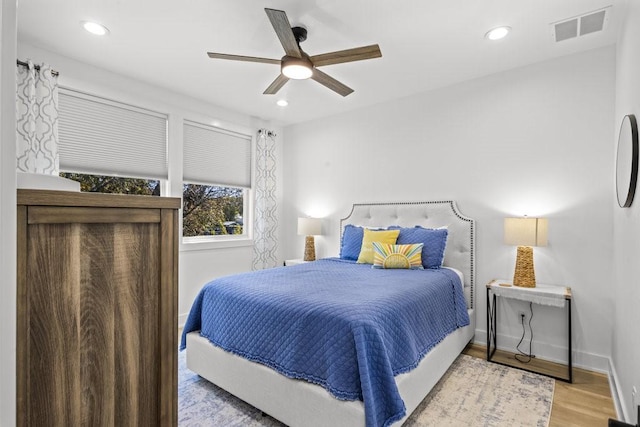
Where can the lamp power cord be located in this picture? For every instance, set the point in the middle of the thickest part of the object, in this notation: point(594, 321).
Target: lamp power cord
point(521, 356)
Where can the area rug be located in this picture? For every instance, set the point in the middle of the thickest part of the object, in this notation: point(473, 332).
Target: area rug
point(473, 392)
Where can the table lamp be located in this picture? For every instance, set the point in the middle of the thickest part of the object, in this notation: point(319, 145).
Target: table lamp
point(309, 227)
point(525, 232)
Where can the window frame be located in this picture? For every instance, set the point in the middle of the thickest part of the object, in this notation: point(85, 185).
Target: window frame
point(172, 185)
point(203, 243)
point(218, 241)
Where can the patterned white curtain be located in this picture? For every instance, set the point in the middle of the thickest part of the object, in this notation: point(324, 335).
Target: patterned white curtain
point(266, 220)
point(37, 120)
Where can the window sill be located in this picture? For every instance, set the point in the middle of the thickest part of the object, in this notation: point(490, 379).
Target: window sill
point(203, 244)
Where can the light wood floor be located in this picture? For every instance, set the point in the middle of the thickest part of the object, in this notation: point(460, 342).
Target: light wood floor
point(586, 402)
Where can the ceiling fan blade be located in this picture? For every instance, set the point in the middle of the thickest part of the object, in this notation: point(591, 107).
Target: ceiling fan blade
point(282, 27)
point(243, 58)
point(276, 85)
point(331, 83)
point(348, 55)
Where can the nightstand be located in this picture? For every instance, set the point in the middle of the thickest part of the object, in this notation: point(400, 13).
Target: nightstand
point(551, 295)
point(290, 262)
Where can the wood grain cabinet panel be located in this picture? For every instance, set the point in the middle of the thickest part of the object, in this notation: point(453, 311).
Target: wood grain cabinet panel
point(97, 309)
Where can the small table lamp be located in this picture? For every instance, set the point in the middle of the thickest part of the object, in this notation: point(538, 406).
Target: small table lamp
point(525, 233)
point(309, 227)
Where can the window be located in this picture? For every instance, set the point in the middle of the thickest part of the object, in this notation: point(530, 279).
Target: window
point(212, 211)
point(114, 184)
point(113, 147)
point(216, 182)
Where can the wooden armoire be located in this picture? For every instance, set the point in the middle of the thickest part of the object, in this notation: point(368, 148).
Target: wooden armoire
point(97, 309)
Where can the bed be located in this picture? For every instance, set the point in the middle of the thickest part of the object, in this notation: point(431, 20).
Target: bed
point(297, 402)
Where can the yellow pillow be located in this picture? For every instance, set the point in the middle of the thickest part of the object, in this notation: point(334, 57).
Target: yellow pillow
point(370, 236)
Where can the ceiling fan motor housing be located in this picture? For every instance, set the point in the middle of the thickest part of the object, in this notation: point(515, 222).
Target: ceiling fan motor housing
point(300, 33)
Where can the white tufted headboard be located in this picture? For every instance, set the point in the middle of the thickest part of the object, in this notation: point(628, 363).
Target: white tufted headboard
point(459, 253)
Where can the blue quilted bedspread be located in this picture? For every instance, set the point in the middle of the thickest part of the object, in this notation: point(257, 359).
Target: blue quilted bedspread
point(342, 325)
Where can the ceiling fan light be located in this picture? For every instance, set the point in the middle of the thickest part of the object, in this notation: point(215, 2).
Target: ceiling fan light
point(296, 68)
point(297, 72)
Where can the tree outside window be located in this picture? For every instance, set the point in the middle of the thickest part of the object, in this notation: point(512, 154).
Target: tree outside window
point(212, 210)
point(114, 184)
point(207, 210)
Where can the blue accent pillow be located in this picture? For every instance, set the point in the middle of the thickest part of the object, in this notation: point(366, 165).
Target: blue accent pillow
point(351, 242)
point(434, 240)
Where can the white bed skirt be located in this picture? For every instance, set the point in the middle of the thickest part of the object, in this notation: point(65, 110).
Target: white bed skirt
point(299, 403)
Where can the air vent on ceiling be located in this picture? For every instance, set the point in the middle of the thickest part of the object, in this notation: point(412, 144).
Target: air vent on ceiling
point(588, 23)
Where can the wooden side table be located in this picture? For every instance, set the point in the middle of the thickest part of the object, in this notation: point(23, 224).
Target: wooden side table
point(551, 295)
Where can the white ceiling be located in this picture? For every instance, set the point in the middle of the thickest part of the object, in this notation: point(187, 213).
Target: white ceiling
point(425, 44)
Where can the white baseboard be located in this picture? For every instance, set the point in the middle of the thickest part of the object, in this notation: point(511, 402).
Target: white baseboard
point(550, 352)
point(616, 394)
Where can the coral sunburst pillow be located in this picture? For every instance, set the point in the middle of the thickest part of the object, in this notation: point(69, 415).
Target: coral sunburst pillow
point(386, 255)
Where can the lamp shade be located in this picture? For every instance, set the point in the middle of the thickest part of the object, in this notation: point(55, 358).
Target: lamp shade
point(309, 226)
point(525, 231)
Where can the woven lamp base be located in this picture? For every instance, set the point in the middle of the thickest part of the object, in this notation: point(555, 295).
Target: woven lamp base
point(524, 276)
point(309, 249)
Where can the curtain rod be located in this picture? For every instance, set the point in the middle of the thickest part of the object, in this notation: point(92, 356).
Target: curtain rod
point(267, 132)
point(37, 67)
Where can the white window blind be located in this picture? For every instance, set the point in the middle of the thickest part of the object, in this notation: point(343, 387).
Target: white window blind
point(216, 156)
point(103, 137)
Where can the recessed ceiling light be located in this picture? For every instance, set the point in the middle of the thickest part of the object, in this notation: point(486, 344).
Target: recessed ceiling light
point(95, 28)
point(497, 33)
point(282, 102)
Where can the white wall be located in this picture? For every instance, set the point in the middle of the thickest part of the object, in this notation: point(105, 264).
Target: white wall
point(626, 225)
point(7, 213)
point(533, 140)
point(201, 263)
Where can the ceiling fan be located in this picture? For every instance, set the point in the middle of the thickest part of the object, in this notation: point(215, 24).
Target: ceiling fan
point(296, 64)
